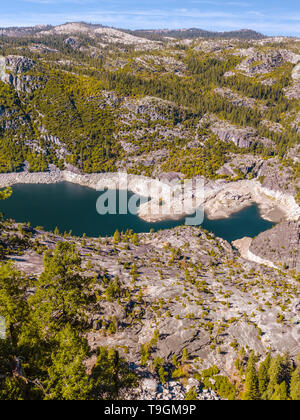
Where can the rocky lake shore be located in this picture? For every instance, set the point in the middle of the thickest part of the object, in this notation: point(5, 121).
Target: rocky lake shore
point(220, 198)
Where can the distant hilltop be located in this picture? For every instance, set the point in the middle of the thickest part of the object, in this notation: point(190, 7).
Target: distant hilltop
point(152, 34)
point(198, 33)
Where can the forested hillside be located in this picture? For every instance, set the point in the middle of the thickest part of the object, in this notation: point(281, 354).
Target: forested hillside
point(104, 100)
point(197, 33)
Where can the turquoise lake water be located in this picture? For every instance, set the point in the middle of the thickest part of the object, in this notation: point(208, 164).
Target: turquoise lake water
point(73, 207)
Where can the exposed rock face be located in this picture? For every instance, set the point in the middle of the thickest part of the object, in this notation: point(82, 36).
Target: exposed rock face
point(23, 31)
point(273, 126)
point(258, 62)
point(42, 49)
point(294, 153)
point(274, 176)
point(293, 92)
point(222, 200)
point(107, 35)
point(128, 147)
point(13, 74)
point(238, 100)
point(244, 164)
point(296, 72)
point(69, 28)
point(280, 245)
point(114, 36)
point(296, 123)
point(171, 303)
point(215, 46)
point(147, 106)
point(156, 64)
point(241, 137)
point(290, 56)
point(170, 177)
point(18, 64)
point(73, 43)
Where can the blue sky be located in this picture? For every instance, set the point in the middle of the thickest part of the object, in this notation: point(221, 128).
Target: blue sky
point(272, 17)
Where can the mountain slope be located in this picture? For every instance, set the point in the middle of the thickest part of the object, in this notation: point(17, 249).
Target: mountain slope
point(100, 99)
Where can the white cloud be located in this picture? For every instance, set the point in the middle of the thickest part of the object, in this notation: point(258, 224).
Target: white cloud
point(83, 2)
point(222, 3)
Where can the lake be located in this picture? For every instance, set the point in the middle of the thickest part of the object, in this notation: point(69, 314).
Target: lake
point(73, 207)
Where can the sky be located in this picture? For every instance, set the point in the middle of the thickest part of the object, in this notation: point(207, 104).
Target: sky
point(271, 17)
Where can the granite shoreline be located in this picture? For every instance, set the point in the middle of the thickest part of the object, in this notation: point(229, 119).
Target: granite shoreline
point(220, 199)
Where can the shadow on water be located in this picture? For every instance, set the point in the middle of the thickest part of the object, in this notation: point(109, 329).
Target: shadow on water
point(73, 207)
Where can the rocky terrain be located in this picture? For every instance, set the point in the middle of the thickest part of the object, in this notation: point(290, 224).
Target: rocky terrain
point(241, 137)
point(279, 245)
point(151, 389)
point(181, 293)
point(149, 127)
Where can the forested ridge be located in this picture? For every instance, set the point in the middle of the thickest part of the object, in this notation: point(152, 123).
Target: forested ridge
point(71, 105)
point(196, 33)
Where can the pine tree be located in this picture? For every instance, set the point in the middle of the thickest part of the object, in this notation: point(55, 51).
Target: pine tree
point(295, 385)
point(174, 360)
point(185, 356)
point(117, 237)
point(5, 193)
point(13, 303)
point(280, 392)
point(13, 389)
point(60, 289)
point(191, 395)
point(279, 372)
point(162, 375)
point(111, 375)
point(263, 375)
point(67, 378)
point(135, 239)
point(251, 380)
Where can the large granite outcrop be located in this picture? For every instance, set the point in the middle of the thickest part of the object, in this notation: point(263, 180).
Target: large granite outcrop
point(73, 43)
point(18, 64)
point(276, 176)
point(260, 63)
point(243, 137)
point(280, 245)
point(13, 72)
